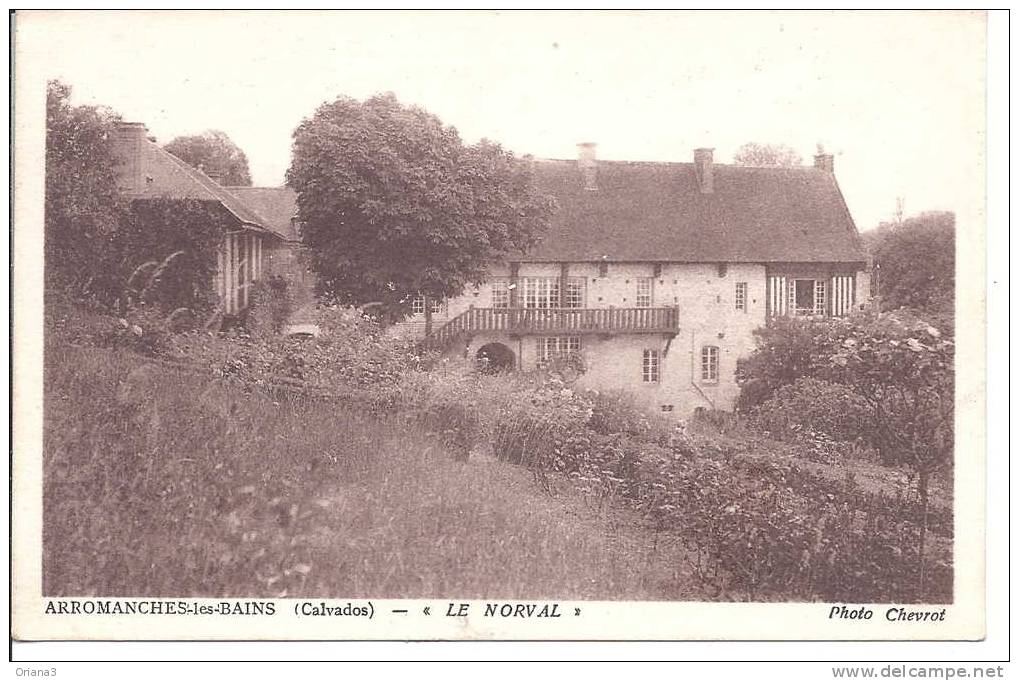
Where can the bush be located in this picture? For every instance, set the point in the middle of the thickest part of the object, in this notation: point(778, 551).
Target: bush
point(812, 406)
point(272, 303)
point(766, 530)
point(145, 329)
point(786, 350)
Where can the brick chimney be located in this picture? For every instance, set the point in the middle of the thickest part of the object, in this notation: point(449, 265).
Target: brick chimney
point(587, 161)
point(127, 148)
point(823, 161)
point(703, 160)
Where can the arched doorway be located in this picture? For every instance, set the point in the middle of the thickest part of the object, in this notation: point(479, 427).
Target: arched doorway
point(495, 357)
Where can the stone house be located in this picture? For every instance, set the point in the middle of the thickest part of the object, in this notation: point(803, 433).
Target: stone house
point(657, 274)
point(255, 245)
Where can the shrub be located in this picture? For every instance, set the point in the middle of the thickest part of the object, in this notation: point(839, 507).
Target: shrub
point(765, 530)
point(811, 405)
point(272, 304)
point(144, 329)
point(786, 350)
point(546, 429)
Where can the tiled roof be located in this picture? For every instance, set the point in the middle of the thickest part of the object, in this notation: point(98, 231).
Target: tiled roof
point(166, 176)
point(278, 205)
point(656, 212)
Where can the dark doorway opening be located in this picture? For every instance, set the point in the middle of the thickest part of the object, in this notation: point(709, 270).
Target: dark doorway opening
point(496, 357)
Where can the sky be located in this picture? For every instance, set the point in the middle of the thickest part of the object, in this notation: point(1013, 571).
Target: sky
point(897, 97)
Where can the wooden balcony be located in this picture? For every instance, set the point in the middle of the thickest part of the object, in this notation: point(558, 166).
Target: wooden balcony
point(561, 321)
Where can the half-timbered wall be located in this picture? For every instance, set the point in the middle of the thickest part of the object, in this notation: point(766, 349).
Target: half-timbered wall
point(811, 291)
point(240, 263)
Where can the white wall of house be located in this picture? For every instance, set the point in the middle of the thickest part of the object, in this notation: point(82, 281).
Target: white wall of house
point(708, 316)
point(240, 261)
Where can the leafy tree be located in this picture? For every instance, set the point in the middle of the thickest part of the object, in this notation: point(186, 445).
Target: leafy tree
point(905, 373)
point(766, 155)
point(216, 154)
point(83, 208)
point(915, 261)
point(394, 204)
point(899, 368)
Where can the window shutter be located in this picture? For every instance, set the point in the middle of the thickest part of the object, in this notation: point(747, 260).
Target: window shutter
point(843, 295)
point(777, 296)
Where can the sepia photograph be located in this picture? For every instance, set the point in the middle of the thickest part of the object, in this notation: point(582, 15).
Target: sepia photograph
point(499, 315)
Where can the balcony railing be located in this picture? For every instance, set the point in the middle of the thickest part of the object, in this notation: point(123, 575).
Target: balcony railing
point(561, 321)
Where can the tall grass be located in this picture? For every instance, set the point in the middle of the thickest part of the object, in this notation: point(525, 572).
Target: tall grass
point(159, 482)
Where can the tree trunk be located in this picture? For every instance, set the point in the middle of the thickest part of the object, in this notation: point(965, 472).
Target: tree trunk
point(922, 485)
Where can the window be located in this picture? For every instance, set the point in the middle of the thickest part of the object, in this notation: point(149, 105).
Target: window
point(808, 296)
point(644, 291)
point(650, 367)
point(500, 293)
point(709, 363)
point(820, 296)
point(575, 289)
point(541, 293)
point(551, 347)
point(417, 305)
point(741, 296)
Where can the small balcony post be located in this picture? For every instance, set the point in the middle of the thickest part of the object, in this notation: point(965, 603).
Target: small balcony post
point(564, 277)
point(514, 287)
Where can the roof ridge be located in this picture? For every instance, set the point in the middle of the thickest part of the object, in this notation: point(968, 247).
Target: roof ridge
point(680, 163)
point(213, 189)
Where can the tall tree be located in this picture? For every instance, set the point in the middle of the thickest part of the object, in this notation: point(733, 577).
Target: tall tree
point(394, 204)
point(915, 262)
point(215, 153)
point(766, 155)
point(83, 207)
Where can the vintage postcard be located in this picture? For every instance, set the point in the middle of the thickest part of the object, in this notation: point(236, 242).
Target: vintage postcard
point(421, 325)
